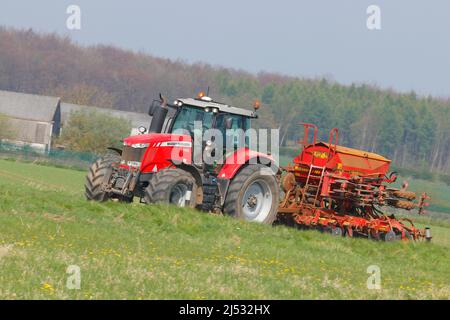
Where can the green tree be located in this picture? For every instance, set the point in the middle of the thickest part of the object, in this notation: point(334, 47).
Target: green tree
point(91, 131)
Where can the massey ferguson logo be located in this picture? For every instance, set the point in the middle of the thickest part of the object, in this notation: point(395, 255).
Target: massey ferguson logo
point(176, 144)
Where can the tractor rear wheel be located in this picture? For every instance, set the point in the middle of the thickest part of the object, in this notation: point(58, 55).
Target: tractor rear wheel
point(99, 173)
point(253, 195)
point(173, 186)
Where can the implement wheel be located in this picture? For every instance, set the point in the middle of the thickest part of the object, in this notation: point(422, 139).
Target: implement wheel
point(389, 236)
point(408, 236)
point(337, 232)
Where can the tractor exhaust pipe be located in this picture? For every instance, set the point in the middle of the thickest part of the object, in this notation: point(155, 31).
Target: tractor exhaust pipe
point(158, 118)
point(158, 112)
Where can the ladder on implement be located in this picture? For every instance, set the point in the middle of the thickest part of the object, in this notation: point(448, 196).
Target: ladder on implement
point(312, 173)
point(334, 136)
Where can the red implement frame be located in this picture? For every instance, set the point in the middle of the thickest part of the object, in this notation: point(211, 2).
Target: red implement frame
point(320, 194)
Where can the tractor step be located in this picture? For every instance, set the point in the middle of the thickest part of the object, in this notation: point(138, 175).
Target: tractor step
point(210, 191)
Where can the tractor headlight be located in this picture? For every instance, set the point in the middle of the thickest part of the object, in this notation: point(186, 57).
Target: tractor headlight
point(142, 129)
point(140, 145)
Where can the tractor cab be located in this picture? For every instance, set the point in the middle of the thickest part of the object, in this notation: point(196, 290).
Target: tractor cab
point(202, 117)
point(214, 130)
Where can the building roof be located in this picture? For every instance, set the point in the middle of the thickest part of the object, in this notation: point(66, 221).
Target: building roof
point(28, 106)
point(136, 119)
point(222, 107)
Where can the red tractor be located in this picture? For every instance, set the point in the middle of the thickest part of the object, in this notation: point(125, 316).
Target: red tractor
point(343, 191)
point(162, 165)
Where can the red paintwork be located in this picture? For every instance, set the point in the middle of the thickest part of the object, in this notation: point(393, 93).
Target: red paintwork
point(341, 163)
point(160, 156)
point(331, 186)
point(155, 137)
point(242, 156)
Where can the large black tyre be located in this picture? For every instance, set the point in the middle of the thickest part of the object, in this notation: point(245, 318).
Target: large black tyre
point(253, 195)
point(173, 186)
point(99, 173)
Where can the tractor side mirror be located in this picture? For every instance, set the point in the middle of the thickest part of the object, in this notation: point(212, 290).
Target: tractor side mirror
point(151, 109)
point(229, 123)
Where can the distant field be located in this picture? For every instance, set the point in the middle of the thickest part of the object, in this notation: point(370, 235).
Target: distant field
point(439, 192)
point(161, 252)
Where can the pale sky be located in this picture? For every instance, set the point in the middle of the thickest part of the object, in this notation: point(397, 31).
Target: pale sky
point(312, 38)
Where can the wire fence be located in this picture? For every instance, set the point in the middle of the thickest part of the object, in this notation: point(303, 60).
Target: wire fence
point(58, 158)
point(82, 160)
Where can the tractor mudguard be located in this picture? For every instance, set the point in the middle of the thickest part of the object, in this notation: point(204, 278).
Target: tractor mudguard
point(241, 158)
point(116, 150)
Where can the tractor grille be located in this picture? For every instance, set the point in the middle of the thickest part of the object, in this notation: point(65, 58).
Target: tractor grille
point(132, 156)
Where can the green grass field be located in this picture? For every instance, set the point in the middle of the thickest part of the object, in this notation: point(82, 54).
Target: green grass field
point(160, 252)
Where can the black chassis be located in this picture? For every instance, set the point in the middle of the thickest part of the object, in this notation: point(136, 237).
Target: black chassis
point(129, 183)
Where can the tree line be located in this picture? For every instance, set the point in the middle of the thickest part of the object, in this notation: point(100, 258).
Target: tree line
point(412, 130)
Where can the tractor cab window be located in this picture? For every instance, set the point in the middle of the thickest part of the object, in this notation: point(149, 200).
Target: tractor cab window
point(234, 136)
point(184, 122)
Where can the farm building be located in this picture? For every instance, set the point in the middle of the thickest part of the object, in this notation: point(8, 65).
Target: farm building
point(136, 119)
point(36, 119)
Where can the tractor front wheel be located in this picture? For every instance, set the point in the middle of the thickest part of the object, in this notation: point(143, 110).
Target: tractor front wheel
point(99, 173)
point(253, 195)
point(173, 186)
